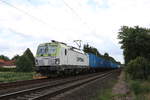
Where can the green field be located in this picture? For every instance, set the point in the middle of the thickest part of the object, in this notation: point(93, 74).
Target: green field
point(9, 75)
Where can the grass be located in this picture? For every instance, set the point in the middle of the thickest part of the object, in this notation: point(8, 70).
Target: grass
point(7, 69)
point(106, 95)
point(9, 75)
point(140, 88)
point(106, 92)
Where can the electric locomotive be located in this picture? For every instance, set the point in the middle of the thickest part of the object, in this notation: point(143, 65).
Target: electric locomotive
point(57, 57)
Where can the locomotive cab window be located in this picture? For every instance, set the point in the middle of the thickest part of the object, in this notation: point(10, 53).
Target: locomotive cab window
point(52, 49)
point(65, 51)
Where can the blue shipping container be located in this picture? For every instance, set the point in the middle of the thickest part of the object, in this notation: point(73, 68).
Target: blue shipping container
point(95, 62)
point(98, 62)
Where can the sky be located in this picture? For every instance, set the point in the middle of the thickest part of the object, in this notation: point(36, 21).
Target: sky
point(27, 23)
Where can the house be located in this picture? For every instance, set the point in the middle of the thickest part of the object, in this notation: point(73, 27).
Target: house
point(7, 64)
point(2, 62)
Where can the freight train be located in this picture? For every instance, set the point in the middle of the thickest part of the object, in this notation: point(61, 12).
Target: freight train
point(59, 58)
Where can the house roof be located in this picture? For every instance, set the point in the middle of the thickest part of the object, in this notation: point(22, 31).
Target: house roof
point(2, 61)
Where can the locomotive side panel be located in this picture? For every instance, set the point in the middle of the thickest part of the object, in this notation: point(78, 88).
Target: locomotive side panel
point(77, 58)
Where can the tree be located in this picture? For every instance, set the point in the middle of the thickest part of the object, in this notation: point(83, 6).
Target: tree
point(4, 57)
point(15, 57)
point(106, 54)
point(107, 57)
point(29, 55)
point(135, 41)
point(24, 64)
point(90, 49)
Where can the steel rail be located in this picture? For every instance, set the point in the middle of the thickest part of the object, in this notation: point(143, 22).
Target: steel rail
point(52, 89)
point(68, 87)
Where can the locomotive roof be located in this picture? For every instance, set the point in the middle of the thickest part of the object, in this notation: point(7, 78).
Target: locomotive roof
point(63, 45)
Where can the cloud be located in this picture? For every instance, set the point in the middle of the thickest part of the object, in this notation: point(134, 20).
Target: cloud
point(96, 22)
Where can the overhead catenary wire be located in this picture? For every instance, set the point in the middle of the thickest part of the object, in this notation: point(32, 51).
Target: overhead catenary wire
point(74, 11)
point(84, 22)
point(26, 13)
point(42, 21)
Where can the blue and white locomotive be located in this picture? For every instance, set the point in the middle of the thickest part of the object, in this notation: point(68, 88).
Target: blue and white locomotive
point(57, 57)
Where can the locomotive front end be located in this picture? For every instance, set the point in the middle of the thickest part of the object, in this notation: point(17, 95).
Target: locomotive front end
point(47, 58)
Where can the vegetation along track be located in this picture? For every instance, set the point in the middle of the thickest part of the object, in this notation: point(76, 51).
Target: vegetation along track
point(51, 90)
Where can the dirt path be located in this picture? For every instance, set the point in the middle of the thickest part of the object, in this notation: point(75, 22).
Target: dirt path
point(121, 89)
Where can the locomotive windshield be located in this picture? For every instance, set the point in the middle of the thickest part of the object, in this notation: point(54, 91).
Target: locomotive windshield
point(46, 50)
point(41, 50)
point(51, 49)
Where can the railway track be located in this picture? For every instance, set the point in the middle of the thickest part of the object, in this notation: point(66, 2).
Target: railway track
point(6, 87)
point(54, 88)
point(21, 83)
point(18, 84)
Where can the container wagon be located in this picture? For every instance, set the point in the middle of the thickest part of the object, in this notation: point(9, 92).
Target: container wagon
point(96, 62)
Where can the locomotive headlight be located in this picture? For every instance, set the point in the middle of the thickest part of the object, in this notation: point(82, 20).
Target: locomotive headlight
point(57, 61)
point(36, 61)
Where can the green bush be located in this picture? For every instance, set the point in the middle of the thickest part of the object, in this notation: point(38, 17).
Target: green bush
point(138, 68)
point(140, 87)
point(24, 64)
point(135, 86)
